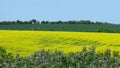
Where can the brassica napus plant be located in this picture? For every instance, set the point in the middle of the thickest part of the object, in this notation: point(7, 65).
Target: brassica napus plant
point(26, 42)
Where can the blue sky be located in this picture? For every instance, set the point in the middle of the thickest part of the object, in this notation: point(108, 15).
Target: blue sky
point(54, 10)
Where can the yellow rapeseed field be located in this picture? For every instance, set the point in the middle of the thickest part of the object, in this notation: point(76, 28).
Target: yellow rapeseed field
point(26, 42)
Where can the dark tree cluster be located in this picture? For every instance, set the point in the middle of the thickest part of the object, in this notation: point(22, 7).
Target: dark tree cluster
point(74, 22)
point(34, 21)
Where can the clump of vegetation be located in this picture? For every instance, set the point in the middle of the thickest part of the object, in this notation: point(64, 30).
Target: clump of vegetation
point(47, 59)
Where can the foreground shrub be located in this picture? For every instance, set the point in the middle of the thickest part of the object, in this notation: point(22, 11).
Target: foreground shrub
point(46, 59)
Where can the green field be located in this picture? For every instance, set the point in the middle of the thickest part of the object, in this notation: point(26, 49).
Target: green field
point(26, 42)
point(64, 27)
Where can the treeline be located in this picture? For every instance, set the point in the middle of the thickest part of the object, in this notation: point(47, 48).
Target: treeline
point(34, 21)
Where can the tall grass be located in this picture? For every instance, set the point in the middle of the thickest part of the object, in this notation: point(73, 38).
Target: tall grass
point(47, 59)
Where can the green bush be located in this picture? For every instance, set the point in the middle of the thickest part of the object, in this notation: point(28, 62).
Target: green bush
point(47, 59)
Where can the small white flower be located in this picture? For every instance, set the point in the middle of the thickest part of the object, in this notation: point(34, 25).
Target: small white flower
point(101, 61)
point(0, 65)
